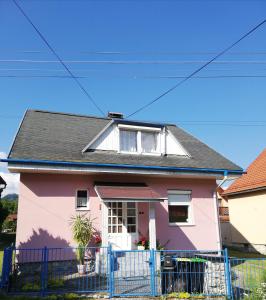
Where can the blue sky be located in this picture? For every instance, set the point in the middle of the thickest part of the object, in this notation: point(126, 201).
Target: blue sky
point(180, 35)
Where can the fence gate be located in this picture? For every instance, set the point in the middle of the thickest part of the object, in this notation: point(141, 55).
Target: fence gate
point(132, 273)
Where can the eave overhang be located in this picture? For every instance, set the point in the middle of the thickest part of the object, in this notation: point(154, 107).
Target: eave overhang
point(23, 165)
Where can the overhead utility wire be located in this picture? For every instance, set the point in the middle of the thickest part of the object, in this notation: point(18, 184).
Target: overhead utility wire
point(132, 62)
point(138, 52)
point(58, 57)
point(133, 76)
point(194, 123)
point(196, 71)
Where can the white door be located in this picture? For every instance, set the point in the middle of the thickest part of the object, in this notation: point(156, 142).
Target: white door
point(122, 231)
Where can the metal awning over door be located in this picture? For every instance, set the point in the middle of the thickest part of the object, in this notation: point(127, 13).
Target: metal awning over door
point(128, 193)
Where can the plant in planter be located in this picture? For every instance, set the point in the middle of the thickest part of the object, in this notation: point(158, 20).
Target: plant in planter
point(98, 240)
point(142, 244)
point(82, 229)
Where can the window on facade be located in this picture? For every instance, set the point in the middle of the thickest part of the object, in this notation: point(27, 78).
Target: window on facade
point(149, 142)
point(82, 199)
point(128, 140)
point(179, 207)
point(138, 141)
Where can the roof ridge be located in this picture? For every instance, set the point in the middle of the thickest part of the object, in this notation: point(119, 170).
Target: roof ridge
point(67, 114)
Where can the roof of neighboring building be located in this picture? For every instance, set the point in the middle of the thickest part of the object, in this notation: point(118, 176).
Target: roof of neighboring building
point(61, 137)
point(254, 179)
point(12, 217)
point(2, 180)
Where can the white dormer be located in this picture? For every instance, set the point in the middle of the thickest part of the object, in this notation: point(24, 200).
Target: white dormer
point(139, 140)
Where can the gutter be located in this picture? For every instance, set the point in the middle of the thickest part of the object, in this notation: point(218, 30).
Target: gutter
point(121, 166)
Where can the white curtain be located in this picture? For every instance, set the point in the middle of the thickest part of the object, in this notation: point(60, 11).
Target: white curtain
point(128, 140)
point(149, 142)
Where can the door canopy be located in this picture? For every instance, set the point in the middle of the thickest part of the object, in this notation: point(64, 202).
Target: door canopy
point(128, 193)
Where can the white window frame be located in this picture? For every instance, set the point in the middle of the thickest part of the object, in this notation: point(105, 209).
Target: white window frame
point(188, 203)
point(139, 130)
point(76, 200)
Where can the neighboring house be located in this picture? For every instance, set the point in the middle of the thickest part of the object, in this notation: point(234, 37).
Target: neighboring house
point(135, 179)
point(2, 185)
point(247, 207)
point(224, 216)
point(12, 217)
point(223, 205)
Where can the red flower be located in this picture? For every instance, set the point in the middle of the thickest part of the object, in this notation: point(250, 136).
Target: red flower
point(98, 239)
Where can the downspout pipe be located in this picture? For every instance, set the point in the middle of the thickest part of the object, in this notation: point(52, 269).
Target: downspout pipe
point(217, 217)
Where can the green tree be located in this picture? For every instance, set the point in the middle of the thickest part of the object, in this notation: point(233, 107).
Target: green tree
point(3, 214)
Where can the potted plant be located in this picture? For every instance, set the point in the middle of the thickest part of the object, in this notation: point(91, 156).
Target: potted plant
point(142, 244)
point(98, 242)
point(82, 229)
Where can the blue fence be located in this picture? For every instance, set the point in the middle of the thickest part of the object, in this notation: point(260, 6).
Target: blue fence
point(130, 272)
point(248, 278)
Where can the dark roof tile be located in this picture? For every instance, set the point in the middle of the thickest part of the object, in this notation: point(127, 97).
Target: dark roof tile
point(62, 137)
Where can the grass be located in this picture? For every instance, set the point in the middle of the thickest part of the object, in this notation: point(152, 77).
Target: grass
point(6, 239)
point(249, 273)
point(241, 254)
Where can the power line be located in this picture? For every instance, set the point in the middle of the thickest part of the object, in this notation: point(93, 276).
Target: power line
point(133, 76)
point(197, 70)
point(230, 123)
point(132, 62)
point(116, 53)
point(58, 57)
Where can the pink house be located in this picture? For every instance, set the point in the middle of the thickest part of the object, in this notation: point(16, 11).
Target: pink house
point(135, 179)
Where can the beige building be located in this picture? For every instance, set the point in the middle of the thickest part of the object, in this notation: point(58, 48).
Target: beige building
point(247, 208)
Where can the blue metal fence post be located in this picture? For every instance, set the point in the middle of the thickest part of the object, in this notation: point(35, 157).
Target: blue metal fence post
point(3, 277)
point(110, 268)
point(228, 275)
point(6, 267)
point(153, 273)
point(44, 271)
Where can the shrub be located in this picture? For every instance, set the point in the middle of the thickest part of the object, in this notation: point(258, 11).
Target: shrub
point(55, 283)
point(31, 287)
point(71, 296)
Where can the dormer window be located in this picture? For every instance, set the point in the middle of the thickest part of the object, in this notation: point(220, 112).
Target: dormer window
point(139, 140)
point(136, 138)
point(128, 140)
point(149, 142)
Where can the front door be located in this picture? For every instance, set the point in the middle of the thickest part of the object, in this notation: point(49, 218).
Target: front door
point(122, 231)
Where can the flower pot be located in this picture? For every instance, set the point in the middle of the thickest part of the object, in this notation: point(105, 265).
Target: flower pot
point(141, 247)
point(81, 269)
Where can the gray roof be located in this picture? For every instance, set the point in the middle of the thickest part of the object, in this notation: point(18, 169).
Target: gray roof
point(54, 136)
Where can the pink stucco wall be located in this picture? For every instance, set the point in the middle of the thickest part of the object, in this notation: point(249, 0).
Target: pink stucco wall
point(47, 202)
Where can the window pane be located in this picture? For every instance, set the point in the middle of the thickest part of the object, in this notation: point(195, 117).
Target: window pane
point(178, 213)
point(131, 205)
point(81, 198)
point(131, 212)
point(149, 142)
point(128, 141)
point(131, 229)
point(131, 220)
